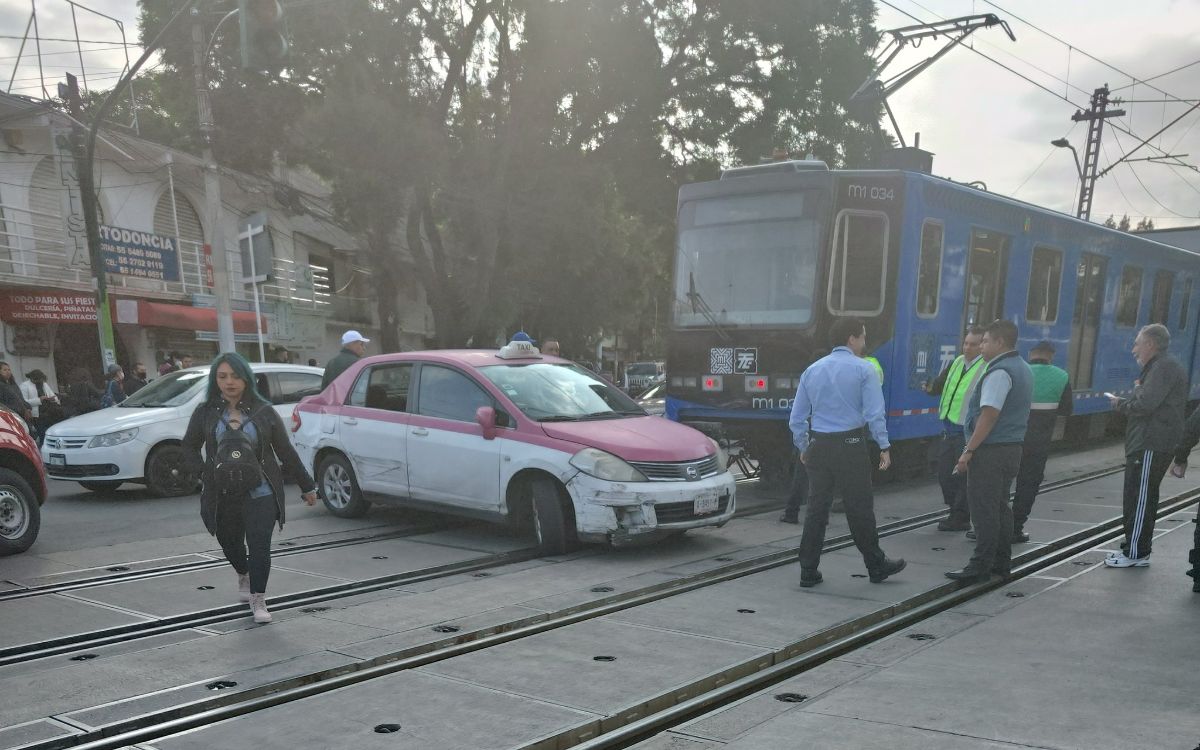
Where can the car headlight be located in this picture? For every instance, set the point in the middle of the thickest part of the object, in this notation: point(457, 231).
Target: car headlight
point(113, 438)
point(722, 455)
point(606, 466)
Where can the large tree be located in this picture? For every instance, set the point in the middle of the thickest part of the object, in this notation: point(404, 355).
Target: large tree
point(521, 157)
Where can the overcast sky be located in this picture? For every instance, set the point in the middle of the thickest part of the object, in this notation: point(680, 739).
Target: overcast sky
point(982, 122)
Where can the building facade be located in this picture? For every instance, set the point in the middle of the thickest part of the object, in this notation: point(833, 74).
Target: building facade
point(160, 276)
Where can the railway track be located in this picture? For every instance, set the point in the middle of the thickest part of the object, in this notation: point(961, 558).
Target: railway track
point(227, 701)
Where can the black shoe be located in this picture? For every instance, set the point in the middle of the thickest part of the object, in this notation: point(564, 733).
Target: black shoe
point(969, 574)
point(947, 524)
point(888, 568)
point(810, 578)
point(785, 518)
point(971, 534)
point(1019, 536)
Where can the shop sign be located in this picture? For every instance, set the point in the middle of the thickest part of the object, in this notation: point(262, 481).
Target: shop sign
point(47, 307)
point(141, 255)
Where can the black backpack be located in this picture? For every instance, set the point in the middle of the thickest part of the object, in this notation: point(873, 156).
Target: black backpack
point(237, 466)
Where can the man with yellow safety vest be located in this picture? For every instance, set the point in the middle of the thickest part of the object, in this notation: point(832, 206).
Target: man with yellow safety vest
point(954, 385)
point(1052, 398)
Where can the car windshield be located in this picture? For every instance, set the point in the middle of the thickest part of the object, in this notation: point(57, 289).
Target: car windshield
point(560, 392)
point(643, 368)
point(657, 391)
point(175, 389)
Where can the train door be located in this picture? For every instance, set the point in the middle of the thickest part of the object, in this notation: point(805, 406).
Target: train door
point(987, 266)
point(1085, 326)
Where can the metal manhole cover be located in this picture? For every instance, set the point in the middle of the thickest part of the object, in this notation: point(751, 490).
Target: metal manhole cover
point(791, 697)
point(604, 658)
point(446, 628)
point(386, 728)
point(221, 685)
point(601, 589)
point(745, 611)
point(921, 636)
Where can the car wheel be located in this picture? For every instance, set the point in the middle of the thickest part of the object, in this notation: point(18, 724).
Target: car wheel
point(20, 516)
point(339, 488)
point(101, 487)
point(166, 474)
point(550, 519)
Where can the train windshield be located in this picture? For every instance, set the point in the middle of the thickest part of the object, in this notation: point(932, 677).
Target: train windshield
point(747, 260)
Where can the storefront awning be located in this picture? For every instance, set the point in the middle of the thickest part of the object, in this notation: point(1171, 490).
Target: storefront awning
point(166, 315)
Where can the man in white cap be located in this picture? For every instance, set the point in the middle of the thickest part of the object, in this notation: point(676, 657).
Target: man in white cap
point(354, 346)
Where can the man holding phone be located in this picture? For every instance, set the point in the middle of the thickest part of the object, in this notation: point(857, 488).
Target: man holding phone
point(1152, 433)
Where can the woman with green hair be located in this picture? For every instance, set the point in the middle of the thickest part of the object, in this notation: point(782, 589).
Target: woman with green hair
point(242, 519)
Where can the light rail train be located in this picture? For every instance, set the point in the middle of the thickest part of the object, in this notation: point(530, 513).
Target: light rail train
point(767, 256)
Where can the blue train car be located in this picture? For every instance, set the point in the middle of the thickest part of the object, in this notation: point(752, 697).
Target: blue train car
point(768, 256)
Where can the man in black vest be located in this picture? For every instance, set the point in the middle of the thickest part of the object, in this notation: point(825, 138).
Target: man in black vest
point(996, 420)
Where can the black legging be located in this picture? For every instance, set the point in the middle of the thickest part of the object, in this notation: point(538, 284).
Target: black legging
point(249, 522)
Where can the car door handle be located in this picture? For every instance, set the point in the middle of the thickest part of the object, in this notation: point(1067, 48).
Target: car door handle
point(349, 420)
point(420, 431)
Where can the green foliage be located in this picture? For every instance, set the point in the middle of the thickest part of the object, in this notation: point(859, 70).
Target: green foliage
point(524, 155)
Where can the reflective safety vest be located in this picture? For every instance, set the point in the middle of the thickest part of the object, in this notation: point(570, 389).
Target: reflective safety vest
point(958, 383)
point(878, 367)
point(1048, 384)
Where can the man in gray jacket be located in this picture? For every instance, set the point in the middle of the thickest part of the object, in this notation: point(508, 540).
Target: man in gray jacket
point(1154, 428)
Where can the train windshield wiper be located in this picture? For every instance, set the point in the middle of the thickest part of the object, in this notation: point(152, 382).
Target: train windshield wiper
point(702, 307)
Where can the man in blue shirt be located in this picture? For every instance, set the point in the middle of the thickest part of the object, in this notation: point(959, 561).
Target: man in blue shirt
point(838, 405)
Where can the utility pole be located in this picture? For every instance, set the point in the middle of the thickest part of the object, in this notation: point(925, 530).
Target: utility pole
point(87, 197)
point(212, 193)
point(1095, 117)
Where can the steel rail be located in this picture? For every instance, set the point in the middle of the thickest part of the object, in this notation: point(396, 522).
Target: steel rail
point(201, 713)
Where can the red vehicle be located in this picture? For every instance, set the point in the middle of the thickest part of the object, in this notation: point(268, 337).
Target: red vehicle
point(22, 485)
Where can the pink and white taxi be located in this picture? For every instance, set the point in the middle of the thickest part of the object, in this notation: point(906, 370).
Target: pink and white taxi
point(512, 435)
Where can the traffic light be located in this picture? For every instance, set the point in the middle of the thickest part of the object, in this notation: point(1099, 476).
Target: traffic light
point(263, 34)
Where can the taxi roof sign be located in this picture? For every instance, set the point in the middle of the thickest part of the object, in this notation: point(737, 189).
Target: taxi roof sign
point(521, 347)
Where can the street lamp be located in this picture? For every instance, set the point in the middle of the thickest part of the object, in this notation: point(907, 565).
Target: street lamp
point(1064, 143)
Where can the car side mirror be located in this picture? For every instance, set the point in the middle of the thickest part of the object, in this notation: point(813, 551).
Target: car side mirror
point(486, 417)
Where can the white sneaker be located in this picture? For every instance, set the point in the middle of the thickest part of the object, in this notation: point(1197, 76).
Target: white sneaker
point(243, 587)
point(1120, 560)
point(258, 605)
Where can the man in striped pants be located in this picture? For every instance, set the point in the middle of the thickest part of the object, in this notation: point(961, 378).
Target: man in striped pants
point(1154, 428)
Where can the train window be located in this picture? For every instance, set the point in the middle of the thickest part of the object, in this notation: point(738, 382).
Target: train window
point(987, 267)
point(1185, 303)
point(1160, 298)
point(858, 274)
point(1129, 296)
point(929, 271)
point(1045, 279)
point(1085, 326)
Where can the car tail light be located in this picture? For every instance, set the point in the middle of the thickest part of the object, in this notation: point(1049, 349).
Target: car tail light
point(295, 420)
point(713, 382)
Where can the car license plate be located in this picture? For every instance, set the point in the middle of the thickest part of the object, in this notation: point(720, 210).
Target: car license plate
point(58, 459)
point(706, 504)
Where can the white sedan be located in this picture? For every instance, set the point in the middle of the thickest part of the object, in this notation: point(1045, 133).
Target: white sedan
point(138, 440)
